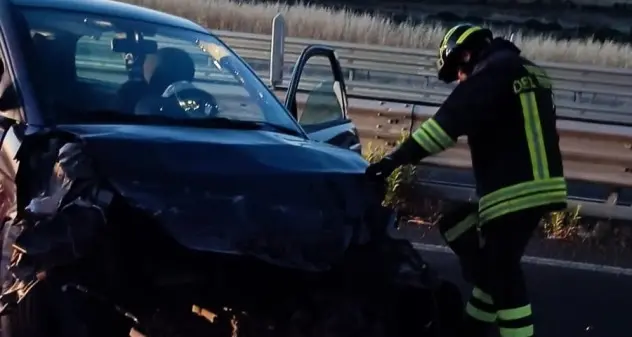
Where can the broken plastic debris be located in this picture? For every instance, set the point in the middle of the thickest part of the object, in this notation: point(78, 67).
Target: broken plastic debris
point(47, 205)
point(73, 161)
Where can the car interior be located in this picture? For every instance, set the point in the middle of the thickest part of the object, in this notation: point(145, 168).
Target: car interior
point(83, 65)
point(104, 69)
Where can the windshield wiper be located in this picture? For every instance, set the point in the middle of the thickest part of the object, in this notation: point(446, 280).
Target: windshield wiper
point(114, 116)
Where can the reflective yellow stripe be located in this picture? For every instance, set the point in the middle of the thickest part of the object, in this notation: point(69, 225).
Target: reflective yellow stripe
point(522, 196)
point(422, 138)
point(519, 204)
point(431, 136)
point(479, 314)
point(535, 139)
point(436, 131)
point(466, 34)
point(515, 313)
point(447, 36)
point(544, 80)
point(526, 331)
point(461, 227)
point(527, 187)
point(482, 296)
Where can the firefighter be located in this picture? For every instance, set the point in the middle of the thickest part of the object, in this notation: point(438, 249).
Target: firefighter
point(504, 104)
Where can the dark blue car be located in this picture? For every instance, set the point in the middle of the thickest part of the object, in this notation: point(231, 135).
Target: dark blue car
point(147, 170)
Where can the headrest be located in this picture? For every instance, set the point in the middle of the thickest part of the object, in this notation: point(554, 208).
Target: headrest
point(172, 65)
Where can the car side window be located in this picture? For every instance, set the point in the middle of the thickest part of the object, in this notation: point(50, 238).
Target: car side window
point(322, 102)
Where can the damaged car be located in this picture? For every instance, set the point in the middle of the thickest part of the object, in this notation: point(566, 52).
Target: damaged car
point(153, 185)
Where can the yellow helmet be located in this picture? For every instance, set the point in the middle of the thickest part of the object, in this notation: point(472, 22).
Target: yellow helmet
point(462, 37)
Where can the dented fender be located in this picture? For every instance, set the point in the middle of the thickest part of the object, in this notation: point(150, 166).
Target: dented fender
point(66, 203)
point(59, 210)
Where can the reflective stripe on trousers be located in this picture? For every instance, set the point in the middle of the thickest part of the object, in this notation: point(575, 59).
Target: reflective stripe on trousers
point(481, 306)
point(516, 322)
point(461, 227)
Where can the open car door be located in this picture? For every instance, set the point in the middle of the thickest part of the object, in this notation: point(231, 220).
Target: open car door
point(317, 98)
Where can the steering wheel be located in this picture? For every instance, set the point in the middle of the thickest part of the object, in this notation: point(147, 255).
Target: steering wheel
point(183, 97)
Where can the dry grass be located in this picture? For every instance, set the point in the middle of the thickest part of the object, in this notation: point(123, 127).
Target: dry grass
point(315, 22)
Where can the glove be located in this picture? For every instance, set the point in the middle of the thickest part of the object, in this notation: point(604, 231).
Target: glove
point(408, 152)
point(382, 169)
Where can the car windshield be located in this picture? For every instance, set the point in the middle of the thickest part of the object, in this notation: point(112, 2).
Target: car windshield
point(88, 68)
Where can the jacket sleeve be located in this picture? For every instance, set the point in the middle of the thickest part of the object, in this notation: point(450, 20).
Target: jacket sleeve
point(462, 113)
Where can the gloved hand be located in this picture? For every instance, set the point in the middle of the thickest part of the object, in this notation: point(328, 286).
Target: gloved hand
point(381, 169)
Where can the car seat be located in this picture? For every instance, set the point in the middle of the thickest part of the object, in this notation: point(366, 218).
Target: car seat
point(172, 65)
point(325, 103)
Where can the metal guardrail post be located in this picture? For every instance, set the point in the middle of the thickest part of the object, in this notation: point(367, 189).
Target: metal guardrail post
point(277, 50)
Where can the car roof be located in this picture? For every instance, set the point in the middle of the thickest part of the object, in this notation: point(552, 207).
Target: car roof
point(115, 8)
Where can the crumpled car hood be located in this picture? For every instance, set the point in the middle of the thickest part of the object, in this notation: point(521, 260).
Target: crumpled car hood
point(276, 197)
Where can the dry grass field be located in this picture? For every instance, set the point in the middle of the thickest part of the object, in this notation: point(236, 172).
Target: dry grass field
point(307, 21)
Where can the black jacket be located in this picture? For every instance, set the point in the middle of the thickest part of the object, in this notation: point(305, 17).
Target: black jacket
point(506, 109)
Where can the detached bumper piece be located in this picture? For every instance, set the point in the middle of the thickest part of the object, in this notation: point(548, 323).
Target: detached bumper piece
point(63, 214)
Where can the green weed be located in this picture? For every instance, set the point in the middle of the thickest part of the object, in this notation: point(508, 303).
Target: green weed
point(400, 184)
point(562, 225)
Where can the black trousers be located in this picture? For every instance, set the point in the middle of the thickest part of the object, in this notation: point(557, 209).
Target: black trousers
point(490, 257)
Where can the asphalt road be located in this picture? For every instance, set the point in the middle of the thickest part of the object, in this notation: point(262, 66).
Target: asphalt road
point(566, 302)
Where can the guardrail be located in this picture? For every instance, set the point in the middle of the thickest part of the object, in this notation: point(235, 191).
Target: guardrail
point(595, 93)
point(595, 157)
